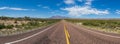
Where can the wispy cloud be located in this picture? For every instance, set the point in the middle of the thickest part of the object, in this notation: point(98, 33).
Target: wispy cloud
point(46, 7)
point(39, 5)
point(17, 9)
point(117, 11)
point(12, 8)
point(56, 12)
point(69, 1)
point(80, 0)
point(88, 2)
point(2, 8)
point(86, 10)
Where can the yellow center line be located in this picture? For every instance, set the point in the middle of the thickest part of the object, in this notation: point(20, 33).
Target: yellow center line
point(67, 35)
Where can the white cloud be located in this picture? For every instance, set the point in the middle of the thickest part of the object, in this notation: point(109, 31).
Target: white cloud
point(88, 2)
point(46, 7)
point(85, 10)
point(69, 1)
point(39, 5)
point(117, 12)
point(17, 9)
point(52, 12)
point(11, 8)
point(80, 0)
point(2, 8)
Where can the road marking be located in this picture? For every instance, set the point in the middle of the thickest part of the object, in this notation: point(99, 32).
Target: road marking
point(67, 35)
point(101, 33)
point(104, 34)
point(29, 36)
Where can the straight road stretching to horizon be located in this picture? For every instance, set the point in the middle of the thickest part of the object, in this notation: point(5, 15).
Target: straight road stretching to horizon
point(62, 32)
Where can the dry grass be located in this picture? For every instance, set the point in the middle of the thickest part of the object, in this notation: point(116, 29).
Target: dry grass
point(101, 29)
point(12, 22)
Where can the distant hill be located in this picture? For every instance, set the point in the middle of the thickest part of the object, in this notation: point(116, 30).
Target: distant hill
point(58, 17)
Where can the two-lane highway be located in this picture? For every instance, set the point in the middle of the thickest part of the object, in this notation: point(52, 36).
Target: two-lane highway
point(62, 33)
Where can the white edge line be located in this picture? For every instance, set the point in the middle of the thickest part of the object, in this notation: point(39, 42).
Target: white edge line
point(102, 33)
point(28, 36)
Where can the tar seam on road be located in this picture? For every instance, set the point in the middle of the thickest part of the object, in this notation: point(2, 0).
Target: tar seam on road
point(29, 36)
point(67, 35)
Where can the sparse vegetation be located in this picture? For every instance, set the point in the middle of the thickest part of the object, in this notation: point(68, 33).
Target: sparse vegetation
point(112, 25)
point(2, 26)
point(9, 25)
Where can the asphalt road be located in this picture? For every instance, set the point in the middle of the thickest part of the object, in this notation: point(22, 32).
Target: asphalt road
point(62, 33)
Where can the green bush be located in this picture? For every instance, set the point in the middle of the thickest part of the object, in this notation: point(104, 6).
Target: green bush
point(33, 23)
point(9, 26)
point(2, 26)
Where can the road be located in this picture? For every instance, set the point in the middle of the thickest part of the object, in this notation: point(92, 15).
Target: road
point(62, 33)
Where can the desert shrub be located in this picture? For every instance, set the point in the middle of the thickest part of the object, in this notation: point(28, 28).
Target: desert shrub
point(15, 22)
point(33, 23)
point(2, 26)
point(9, 26)
point(105, 24)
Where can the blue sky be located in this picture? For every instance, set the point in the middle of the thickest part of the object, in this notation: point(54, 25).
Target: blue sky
point(68, 8)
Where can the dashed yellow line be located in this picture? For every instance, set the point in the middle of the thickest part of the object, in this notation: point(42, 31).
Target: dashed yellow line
point(67, 35)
